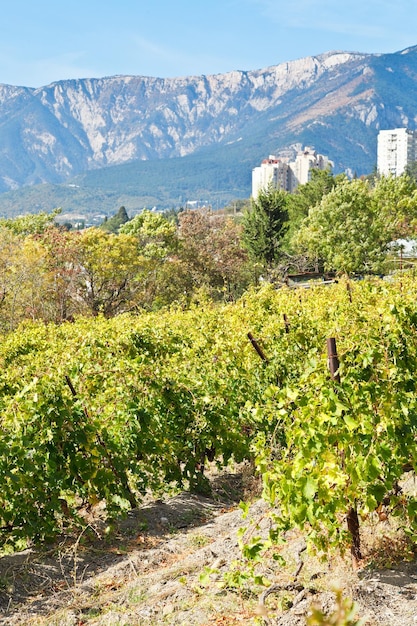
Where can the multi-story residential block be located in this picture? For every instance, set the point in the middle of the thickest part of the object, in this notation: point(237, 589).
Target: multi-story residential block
point(274, 172)
point(305, 161)
point(281, 173)
point(396, 149)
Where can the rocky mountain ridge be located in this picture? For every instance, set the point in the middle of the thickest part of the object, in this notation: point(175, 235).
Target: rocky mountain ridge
point(335, 101)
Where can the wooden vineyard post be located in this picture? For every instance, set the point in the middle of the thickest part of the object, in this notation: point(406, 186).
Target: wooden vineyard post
point(352, 518)
point(286, 323)
point(257, 347)
point(333, 359)
point(349, 290)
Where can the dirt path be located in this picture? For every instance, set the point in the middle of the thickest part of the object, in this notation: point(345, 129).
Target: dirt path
point(149, 572)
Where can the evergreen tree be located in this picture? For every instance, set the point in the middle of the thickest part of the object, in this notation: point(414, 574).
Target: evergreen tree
point(264, 226)
point(113, 224)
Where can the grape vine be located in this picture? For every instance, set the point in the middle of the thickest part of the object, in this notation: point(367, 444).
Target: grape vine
point(109, 409)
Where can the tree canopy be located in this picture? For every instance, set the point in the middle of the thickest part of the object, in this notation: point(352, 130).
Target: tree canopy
point(353, 227)
point(30, 224)
point(306, 197)
point(152, 262)
point(264, 226)
point(156, 235)
point(113, 224)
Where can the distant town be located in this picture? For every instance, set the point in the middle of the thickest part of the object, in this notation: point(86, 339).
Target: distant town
point(396, 149)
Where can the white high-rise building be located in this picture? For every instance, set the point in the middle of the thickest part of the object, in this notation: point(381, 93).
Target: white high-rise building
point(305, 161)
point(273, 172)
point(281, 173)
point(396, 149)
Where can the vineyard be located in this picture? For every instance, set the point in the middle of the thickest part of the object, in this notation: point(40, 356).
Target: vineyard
point(107, 410)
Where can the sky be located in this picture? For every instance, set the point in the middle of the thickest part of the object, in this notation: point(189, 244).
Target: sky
point(43, 41)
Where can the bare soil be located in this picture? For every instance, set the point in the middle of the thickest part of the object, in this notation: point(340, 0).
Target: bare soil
point(165, 564)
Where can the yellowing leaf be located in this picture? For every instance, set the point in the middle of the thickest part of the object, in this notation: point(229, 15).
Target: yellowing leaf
point(350, 422)
point(310, 488)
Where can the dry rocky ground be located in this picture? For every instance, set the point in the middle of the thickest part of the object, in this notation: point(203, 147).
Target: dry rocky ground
point(164, 564)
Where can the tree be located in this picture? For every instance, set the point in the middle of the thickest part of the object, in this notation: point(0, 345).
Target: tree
point(113, 224)
point(212, 249)
point(61, 247)
point(31, 284)
point(264, 226)
point(156, 235)
point(411, 170)
point(230, 259)
point(109, 265)
point(164, 277)
point(395, 199)
point(31, 224)
point(24, 279)
point(346, 231)
point(306, 197)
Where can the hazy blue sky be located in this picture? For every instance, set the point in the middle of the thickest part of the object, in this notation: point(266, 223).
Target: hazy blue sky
point(42, 41)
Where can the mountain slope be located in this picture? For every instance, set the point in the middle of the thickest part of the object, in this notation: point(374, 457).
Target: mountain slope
point(336, 101)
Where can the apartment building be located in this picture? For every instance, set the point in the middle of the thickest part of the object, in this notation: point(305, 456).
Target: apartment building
point(274, 172)
point(396, 148)
point(305, 161)
point(281, 173)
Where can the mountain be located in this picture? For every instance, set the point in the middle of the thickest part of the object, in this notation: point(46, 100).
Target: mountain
point(95, 142)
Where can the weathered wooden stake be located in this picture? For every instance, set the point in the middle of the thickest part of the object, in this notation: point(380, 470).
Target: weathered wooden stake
point(74, 393)
point(333, 359)
point(349, 290)
point(352, 518)
point(257, 347)
point(287, 324)
point(353, 527)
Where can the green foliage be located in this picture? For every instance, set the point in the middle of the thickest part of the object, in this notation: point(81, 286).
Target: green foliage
point(23, 278)
point(336, 446)
point(52, 274)
point(30, 224)
point(411, 170)
point(351, 230)
point(156, 235)
point(211, 248)
point(113, 224)
point(344, 615)
point(108, 409)
point(345, 230)
point(264, 226)
point(108, 265)
point(395, 201)
point(308, 196)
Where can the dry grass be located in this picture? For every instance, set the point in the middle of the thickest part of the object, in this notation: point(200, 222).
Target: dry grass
point(148, 574)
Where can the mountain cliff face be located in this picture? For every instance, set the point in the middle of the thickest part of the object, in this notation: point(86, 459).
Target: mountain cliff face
point(336, 101)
